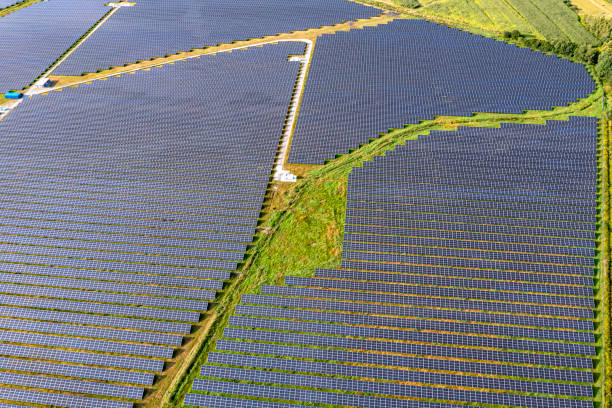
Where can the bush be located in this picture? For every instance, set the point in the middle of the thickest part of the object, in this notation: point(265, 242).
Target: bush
point(604, 64)
point(514, 34)
point(566, 48)
point(409, 3)
point(599, 26)
point(586, 54)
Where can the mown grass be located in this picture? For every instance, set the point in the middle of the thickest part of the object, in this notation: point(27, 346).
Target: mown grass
point(302, 229)
point(546, 19)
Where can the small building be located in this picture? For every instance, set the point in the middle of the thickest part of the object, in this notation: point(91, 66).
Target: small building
point(43, 82)
point(13, 95)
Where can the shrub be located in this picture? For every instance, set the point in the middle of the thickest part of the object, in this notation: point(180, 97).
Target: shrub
point(409, 3)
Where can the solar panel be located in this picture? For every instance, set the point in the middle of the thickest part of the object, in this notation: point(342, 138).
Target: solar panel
point(414, 324)
point(423, 377)
point(7, 3)
point(292, 394)
point(94, 373)
point(432, 349)
point(62, 400)
point(382, 359)
point(368, 308)
point(62, 384)
point(370, 387)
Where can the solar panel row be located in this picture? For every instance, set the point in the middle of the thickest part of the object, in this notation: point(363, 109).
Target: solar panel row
point(486, 212)
point(368, 308)
point(413, 349)
point(372, 387)
point(399, 202)
point(405, 335)
point(93, 373)
point(60, 400)
point(456, 282)
point(494, 316)
point(475, 273)
point(108, 309)
point(348, 370)
point(468, 253)
point(415, 324)
point(468, 244)
point(438, 302)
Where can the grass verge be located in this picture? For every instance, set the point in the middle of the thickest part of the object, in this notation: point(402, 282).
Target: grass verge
point(18, 5)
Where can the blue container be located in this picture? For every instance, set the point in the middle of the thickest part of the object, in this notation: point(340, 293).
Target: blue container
point(13, 95)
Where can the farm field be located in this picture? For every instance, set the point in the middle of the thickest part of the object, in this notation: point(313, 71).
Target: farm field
point(317, 203)
point(597, 8)
point(548, 19)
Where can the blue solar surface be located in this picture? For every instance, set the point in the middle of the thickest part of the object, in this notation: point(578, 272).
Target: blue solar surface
point(503, 303)
point(363, 82)
point(35, 36)
point(122, 216)
point(158, 28)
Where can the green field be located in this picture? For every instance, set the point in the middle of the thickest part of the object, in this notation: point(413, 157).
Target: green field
point(546, 19)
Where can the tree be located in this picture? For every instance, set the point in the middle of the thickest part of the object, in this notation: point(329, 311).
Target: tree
point(604, 64)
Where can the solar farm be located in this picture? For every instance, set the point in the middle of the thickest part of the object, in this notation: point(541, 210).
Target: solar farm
point(314, 203)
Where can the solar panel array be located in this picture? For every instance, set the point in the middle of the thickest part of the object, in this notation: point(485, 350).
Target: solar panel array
point(363, 82)
point(124, 205)
point(447, 293)
point(160, 28)
point(28, 48)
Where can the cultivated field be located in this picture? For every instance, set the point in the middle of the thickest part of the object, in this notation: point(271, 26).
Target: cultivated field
point(549, 19)
point(597, 8)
